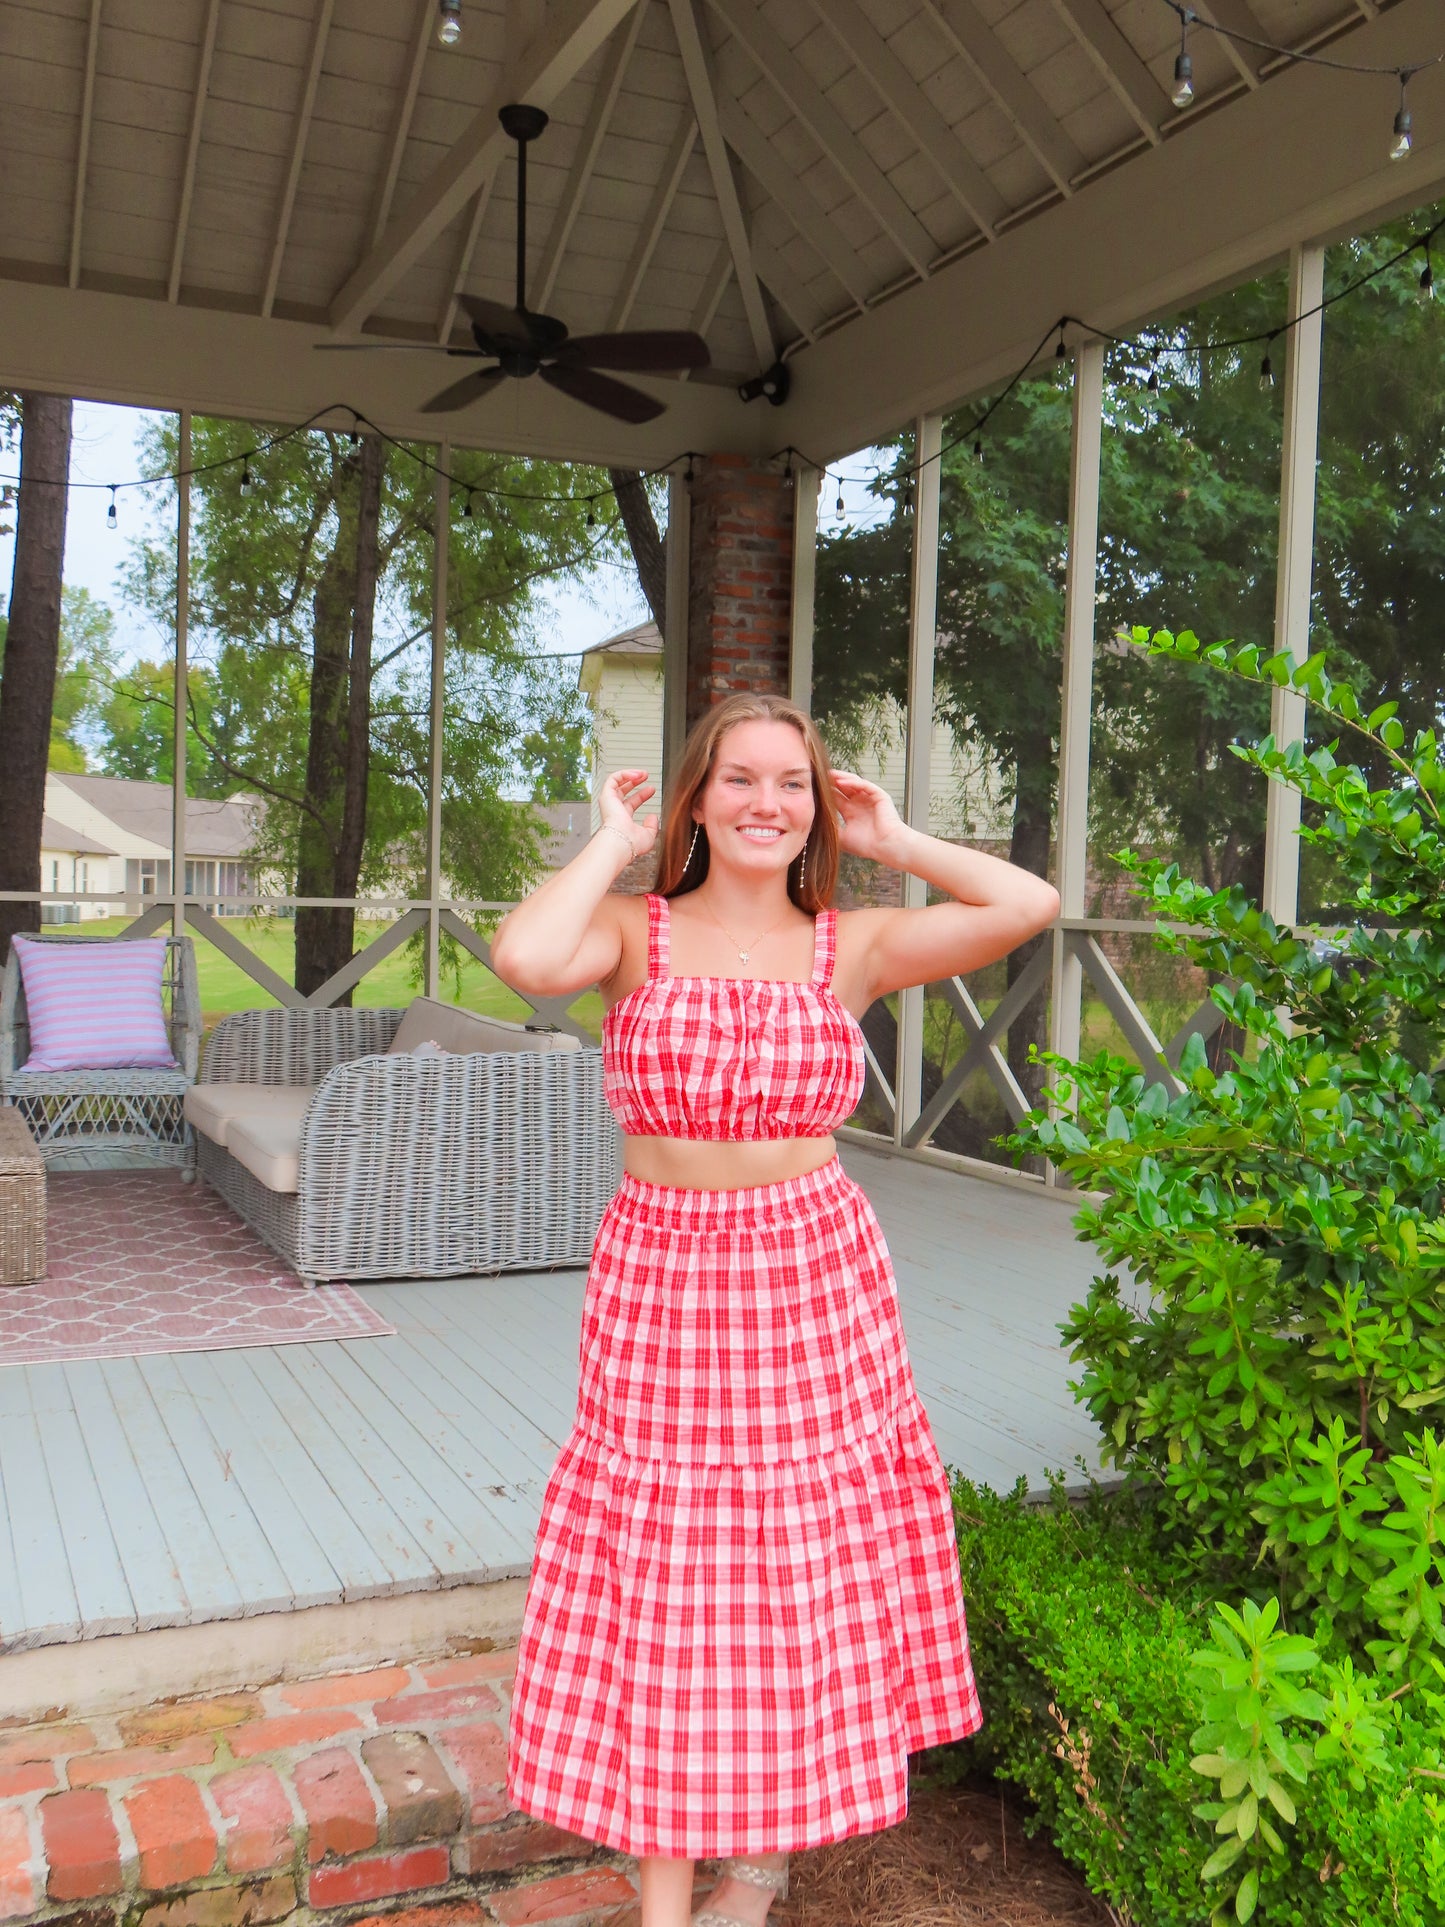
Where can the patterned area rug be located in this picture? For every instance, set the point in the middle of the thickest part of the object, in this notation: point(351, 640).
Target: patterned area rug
point(139, 1262)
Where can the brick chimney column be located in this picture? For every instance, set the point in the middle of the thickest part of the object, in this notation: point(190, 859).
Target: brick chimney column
point(741, 581)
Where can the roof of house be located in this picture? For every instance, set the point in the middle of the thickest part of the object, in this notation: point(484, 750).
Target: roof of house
point(59, 836)
point(644, 639)
point(571, 830)
point(214, 829)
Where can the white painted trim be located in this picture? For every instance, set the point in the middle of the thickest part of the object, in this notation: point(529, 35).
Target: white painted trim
point(806, 483)
point(300, 135)
point(180, 683)
point(918, 744)
point(674, 633)
point(82, 151)
point(421, 33)
point(465, 252)
point(193, 148)
point(1295, 568)
point(441, 557)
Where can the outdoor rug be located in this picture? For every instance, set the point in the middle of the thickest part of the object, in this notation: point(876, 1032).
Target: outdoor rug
point(139, 1262)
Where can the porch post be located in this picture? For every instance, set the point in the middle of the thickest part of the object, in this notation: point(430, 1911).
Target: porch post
point(1077, 691)
point(806, 483)
point(440, 539)
point(918, 744)
point(674, 638)
point(1296, 562)
point(180, 686)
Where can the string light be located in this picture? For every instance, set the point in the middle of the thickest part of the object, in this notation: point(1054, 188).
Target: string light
point(591, 512)
point(1060, 351)
point(245, 474)
point(112, 520)
point(1427, 277)
point(1153, 382)
point(449, 22)
point(1266, 367)
point(1400, 144)
point(467, 510)
point(1183, 64)
point(788, 470)
point(839, 509)
point(978, 448)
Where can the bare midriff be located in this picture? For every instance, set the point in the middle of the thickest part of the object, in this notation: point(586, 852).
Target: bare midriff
point(693, 1164)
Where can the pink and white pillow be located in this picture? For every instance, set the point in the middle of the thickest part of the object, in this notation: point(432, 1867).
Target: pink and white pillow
point(95, 1006)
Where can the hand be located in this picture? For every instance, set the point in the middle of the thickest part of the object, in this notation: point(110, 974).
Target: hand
point(870, 822)
point(617, 802)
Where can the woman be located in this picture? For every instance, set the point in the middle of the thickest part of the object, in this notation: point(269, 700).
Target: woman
point(745, 1608)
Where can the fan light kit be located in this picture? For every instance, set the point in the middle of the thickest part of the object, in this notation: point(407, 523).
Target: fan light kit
point(774, 382)
point(522, 343)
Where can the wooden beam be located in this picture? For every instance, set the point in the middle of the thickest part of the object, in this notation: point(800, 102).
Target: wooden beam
point(82, 150)
point(914, 111)
point(781, 184)
point(1237, 16)
point(599, 115)
point(714, 285)
point(832, 133)
point(193, 148)
point(572, 33)
point(421, 33)
point(321, 27)
point(975, 39)
point(1117, 61)
point(465, 252)
point(648, 235)
point(785, 288)
point(697, 66)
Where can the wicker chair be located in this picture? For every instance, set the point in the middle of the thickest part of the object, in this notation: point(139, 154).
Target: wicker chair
point(418, 1166)
point(107, 1120)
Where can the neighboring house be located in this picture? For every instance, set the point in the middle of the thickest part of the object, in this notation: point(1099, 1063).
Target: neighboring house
point(107, 833)
point(622, 680)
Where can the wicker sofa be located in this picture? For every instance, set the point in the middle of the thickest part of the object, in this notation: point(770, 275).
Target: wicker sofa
point(355, 1155)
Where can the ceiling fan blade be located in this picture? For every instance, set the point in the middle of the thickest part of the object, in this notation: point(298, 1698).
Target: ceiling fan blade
point(639, 350)
point(598, 391)
point(469, 389)
point(499, 322)
point(388, 347)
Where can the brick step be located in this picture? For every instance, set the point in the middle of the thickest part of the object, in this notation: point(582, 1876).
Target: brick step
point(310, 1798)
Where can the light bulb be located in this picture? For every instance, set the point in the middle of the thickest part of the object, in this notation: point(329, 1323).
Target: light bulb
point(1183, 80)
point(1266, 371)
point(1153, 382)
point(245, 477)
point(449, 22)
point(1427, 282)
point(1400, 145)
point(839, 510)
point(978, 448)
point(111, 519)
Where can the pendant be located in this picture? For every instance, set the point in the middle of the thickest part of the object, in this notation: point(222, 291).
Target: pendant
point(742, 956)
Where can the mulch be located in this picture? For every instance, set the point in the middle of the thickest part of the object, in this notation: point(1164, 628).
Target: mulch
point(960, 1859)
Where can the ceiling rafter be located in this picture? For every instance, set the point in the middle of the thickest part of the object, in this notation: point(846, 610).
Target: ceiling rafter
point(82, 146)
point(781, 184)
point(714, 286)
point(785, 288)
point(421, 34)
point(562, 46)
point(697, 66)
point(1237, 16)
point(193, 149)
point(599, 116)
point(461, 272)
point(663, 196)
point(1114, 56)
point(914, 111)
point(320, 28)
point(786, 75)
point(965, 27)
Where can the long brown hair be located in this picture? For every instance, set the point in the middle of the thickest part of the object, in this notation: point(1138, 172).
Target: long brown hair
point(675, 875)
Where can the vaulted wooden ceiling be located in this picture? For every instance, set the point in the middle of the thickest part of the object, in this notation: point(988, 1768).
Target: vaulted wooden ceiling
point(893, 194)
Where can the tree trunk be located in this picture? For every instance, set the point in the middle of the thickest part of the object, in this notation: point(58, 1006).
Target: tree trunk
point(649, 548)
point(1029, 849)
point(32, 649)
point(333, 822)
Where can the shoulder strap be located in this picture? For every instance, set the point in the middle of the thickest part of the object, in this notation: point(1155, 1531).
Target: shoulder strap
point(658, 945)
point(825, 946)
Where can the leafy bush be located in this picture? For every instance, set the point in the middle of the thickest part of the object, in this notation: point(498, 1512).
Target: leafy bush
point(1086, 1631)
point(1286, 1216)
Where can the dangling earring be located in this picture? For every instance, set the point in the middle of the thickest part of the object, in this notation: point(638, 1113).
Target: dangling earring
point(802, 869)
point(687, 862)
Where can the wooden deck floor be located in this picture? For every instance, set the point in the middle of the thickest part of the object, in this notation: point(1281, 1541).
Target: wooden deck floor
point(165, 1491)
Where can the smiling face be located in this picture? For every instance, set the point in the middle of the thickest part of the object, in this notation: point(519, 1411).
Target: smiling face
point(757, 803)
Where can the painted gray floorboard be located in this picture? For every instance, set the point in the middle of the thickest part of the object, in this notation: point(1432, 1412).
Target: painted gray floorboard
point(364, 1466)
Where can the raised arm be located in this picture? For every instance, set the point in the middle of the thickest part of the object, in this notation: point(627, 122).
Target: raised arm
point(997, 905)
point(566, 934)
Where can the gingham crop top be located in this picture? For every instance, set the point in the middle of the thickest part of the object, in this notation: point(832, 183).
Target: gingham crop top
point(733, 1058)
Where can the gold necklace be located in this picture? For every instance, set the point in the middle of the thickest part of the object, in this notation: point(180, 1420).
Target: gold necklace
point(743, 954)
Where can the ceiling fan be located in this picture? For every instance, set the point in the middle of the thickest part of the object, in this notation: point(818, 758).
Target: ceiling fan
point(522, 343)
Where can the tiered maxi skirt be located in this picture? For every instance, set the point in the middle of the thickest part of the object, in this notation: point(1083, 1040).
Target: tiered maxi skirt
point(745, 1608)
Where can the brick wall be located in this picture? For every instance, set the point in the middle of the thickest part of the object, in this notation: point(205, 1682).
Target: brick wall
point(740, 595)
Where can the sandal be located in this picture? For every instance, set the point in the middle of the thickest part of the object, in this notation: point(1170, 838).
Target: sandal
point(756, 1875)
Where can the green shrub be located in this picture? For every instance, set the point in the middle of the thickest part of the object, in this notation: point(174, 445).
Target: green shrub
point(1085, 1624)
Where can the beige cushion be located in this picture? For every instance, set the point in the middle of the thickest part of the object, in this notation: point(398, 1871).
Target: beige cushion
point(426, 1019)
point(268, 1142)
point(213, 1108)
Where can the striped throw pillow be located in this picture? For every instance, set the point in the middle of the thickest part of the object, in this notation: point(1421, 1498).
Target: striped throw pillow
point(95, 1006)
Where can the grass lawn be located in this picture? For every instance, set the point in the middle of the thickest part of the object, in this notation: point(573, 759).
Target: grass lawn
point(395, 981)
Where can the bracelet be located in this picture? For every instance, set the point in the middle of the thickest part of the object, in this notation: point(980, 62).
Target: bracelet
point(631, 846)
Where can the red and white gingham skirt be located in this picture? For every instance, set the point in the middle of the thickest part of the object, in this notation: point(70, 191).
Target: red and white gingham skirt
point(745, 1608)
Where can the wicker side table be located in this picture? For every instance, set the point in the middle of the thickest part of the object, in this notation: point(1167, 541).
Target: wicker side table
point(22, 1202)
